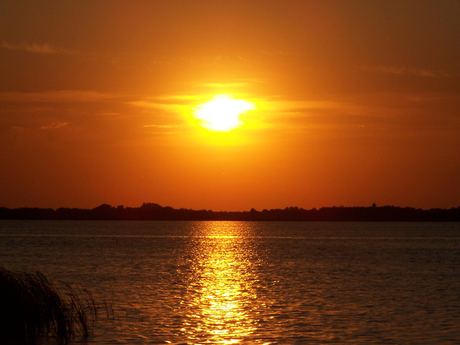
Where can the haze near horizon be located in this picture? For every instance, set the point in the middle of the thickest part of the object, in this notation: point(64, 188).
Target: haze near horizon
point(326, 103)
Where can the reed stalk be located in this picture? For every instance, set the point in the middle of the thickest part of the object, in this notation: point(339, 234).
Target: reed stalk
point(33, 311)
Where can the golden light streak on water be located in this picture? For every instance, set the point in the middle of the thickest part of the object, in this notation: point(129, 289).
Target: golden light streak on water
point(221, 294)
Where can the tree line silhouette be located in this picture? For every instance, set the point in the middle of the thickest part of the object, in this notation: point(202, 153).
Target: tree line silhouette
point(152, 211)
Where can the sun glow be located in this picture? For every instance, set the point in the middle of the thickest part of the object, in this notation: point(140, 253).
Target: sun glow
point(221, 113)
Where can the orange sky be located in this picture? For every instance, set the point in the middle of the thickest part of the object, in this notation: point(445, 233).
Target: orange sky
point(357, 102)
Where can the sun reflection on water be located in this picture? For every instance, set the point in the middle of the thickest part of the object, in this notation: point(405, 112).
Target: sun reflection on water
point(221, 297)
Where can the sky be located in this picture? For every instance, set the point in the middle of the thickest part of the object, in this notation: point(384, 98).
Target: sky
point(355, 102)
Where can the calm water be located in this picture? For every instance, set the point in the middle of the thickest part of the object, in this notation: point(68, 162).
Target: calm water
point(254, 282)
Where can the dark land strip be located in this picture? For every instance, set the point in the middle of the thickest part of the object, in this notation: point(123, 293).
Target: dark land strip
point(152, 211)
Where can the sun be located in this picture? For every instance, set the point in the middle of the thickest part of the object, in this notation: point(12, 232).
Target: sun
point(221, 113)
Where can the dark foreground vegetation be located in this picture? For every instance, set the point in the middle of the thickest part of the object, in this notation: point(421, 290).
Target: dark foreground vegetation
point(33, 311)
point(151, 211)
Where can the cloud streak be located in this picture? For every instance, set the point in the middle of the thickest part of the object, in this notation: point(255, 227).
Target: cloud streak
point(44, 48)
point(54, 125)
point(419, 72)
point(163, 126)
point(55, 96)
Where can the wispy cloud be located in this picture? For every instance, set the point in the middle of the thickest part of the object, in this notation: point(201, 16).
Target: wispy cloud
point(55, 96)
point(164, 129)
point(400, 71)
point(44, 48)
point(278, 53)
point(54, 125)
point(18, 129)
point(163, 126)
point(223, 85)
point(178, 103)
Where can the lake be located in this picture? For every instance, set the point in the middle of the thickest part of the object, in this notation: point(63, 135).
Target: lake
point(253, 282)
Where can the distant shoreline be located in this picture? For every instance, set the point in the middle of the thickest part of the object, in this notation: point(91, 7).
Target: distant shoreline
point(152, 211)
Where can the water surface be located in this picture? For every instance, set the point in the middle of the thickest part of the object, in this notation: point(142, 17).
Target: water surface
point(253, 282)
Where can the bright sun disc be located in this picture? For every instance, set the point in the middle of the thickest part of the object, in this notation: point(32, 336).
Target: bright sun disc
point(221, 114)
